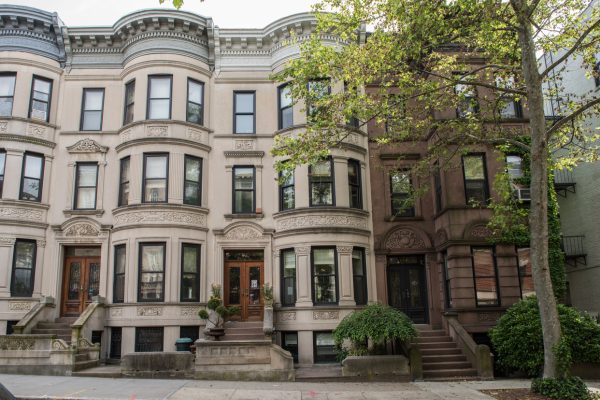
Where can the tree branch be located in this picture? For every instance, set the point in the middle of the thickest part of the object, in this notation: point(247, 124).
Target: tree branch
point(476, 83)
point(572, 116)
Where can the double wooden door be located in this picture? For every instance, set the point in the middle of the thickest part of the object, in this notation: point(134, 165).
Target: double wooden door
point(243, 283)
point(407, 287)
point(81, 282)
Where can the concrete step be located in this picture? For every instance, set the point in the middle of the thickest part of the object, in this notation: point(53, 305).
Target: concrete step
point(228, 337)
point(446, 365)
point(81, 357)
point(50, 331)
point(467, 373)
point(322, 373)
point(444, 358)
point(243, 324)
point(53, 325)
point(430, 333)
point(79, 366)
point(67, 320)
point(437, 345)
point(440, 352)
point(101, 371)
point(433, 339)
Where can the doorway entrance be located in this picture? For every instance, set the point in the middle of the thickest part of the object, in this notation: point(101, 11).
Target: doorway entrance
point(244, 277)
point(407, 287)
point(81, 279)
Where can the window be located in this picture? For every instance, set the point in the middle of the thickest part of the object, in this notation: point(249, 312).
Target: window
point(324, 271)
point(7, 93)
point(243, 190)
point(244, 104)
point(317, 89)
point(159, 97)
point(156, 184)
point(23, 268)
point(508, 107)
point(354, 184)
point(401, 190)
point(149, 339)
point(91, 109)
point(119, 274)
point(124, 182)
point(359, 276)
point(289, 342)
point(31, 178)
point(192, 185)
point(525, 277)
point(190, 272)
point(285, 103)
point(467, 100)
point(195, 102)
point(41, 93)
point(447, 287)
point(86, 180)
point(287, 192)
point(352, 121)
point(190, 332)
point(2, 166)
point(129, 100)
point(151, 283)
point(485, 276)
point(513, 166)
point(596, 71)
point(437, 182)
point(475, 174)
point(321, 183)
point(324, 347)
point(288, 277)
point(116, 335)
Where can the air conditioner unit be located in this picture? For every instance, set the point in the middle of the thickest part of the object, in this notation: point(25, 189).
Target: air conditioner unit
point(523, 194)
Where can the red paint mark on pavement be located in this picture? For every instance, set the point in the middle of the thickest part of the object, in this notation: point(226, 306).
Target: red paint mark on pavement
point(312, 393)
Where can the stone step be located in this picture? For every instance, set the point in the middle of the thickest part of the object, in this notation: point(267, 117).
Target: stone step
point(444, 357)
point(244, 330)
point(101, 371)
point(58, 332)
point(243, 324)
point(81, 357)
point(228, 337)
point(66, 320)
point(322, 373)
point(53, 325)
point(433, 339)
point(429, 333)
point(437, 345)
point(440, 352)
point(467, 373)
point(446, 365)
point(78, 366)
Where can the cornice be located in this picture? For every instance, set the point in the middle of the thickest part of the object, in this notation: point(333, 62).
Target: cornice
point(5, 137)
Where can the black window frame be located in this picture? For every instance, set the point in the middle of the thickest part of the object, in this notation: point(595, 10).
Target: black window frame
point(188, 101)
point(313, 275)
point(293, 349)
point(286, 185)
point(361, 293)
point(312, 180)
point(41, 178)
point(407, 212)
point(447, 287)
point(355, 185)
point(186, 181)
point(122, 162)
point(117, 251)
point(285, 303)
point(472, 101)
point(144, 179)
point(12, 102)
point(142, 331)
point(234, 190)
point(29, 291)
point(486, 187)
point(322, 360)
point(281, 109)
point(77, 187)
point(496, 277)
point(48, 103)
point(84, 110)
point(149, 99)
point(3, 170)
point(310, 109)
point(198, 248)
point(236, 113)
point(116, 339)
point(129, 86)
point(139, 267)
point(437, 187)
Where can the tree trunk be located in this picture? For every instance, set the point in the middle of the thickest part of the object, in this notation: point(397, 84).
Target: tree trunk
point(538, 215)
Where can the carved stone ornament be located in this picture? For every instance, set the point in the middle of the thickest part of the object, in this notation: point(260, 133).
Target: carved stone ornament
point(59, 344)
point(195, 135)
point(287, 316)
point(245, 144)
point(243, 233)
point(344, 249)
point(404, 239)
point(116, 312)
point(326, 315)
point(3, 126)
point(302, 250)
point(126, 136)
point(488, 316)
point(189, 311)
point(81, 229)
point(87, 145)
point(481, 232)
point(37, 131)
point(26, 214)
point(157, 131)
point(16, 343)
point(7, 241)
point(166, 217)
point(20, 305)
point(441, 236)
point(149, 311)
point(310, 221)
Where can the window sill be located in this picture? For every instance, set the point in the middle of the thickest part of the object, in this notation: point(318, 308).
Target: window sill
point(70, 213)
point(245, 216)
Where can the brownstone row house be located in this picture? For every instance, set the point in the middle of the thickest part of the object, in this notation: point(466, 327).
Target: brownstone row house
point(135, 172)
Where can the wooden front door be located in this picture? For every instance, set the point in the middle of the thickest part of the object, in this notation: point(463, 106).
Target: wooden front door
point(81, 281)
point(407, 287)
point(243, 283)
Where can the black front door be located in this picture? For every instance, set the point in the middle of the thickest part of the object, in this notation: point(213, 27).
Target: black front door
point(407, 289)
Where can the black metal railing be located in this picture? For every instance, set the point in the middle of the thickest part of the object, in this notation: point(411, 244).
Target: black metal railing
point(572, 246)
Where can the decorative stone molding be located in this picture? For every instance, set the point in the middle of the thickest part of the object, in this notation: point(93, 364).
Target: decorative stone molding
point(87, 145)
point(41, 243)
point(441, 237)
point(7, 241)
point(287, 316)
point(196, 135)
point(245, 145)
point(302, 250)
point(189, 311)
point(3, 126)
point(59, 344)
point(81, 229)
point(243, 233)
point(15, 342)
point(157, 130)
point(127, 135)
point(488, 316)
point(344, 249)
point(326, 315)
point(116, 312)
point(480, 232)
point(37, 131)
point(149, 311)
point(161, 215)
point(22, 214)
point(404, 238)
point(20, 305)
point(313, 221)
point(244, 154)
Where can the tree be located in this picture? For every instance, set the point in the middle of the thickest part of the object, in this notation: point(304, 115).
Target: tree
point(418, 60)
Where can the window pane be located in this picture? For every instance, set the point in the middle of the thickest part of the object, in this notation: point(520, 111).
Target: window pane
point(31, 189)
point(353, 175)
point(24, 252)
point(192, 193)
point(2, 162)
point(244, 103)
point(7, 85)
point(120, 259)
point(129, 93)
point(357, 262)
point(285, 97)
point(87, 175)
point(473, 166)
point(160, 87)
point(125, 169)
point(39, 110)
point(194, 113)
point(513, 166)
point(156, 167)
point(400, 182)
point(244, 124)
point(289, 264)
point(41, 89)
point(152, 258)
point(244, 178)
point(321, 194)
point(325, 289)
point(324, 347)
point(288, 200)
point(190, 259)
point(86, 197)
point(93, 99)
point(325, 258)
point(92, 120)
point(195, 92)
point(486, 291)
point(33, 166)
point(6, 104)
point(244, 202)
point(321, 169)
point(287, 118)
point(192, 169)
point(156, 190)
point(527, 288)
point(159, 109)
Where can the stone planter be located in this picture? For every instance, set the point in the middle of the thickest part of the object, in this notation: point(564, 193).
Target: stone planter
point(268, 321)
point(374, 368)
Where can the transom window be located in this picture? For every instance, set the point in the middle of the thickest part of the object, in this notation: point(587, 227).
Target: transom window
point(86, 180)
point(244, 118)
point(321, 183)
point(23, 268)
point(31, 178)
point(485, 276)
point(129, 102)
point(243, 190)
point(190, 272)
point(156, 170)
point(151, 283)
point(159, 96)
point(195, 102)
point(401, 190)
point(475, 179)
point(324, 272)
point(41, 92)
point(7, 93)
point(91, 109)
point(286, 112)
point(192, 190)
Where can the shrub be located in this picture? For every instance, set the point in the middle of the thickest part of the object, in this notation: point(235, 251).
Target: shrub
point(376, 323)
point(517, 338)
point(571, 388)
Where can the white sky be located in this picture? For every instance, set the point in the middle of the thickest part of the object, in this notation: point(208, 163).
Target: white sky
point(225, 13)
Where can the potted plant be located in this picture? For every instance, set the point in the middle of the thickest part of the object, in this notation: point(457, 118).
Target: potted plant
point(215, 313)
point(267, 290)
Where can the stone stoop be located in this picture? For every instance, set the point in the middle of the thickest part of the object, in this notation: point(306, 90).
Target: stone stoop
point(61, 327)
point(247, 330)
point(442, 358)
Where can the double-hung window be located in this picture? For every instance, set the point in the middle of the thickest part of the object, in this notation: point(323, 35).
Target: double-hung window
point(119, 274)
point(32, 177)
point(287, 191)
point(41, 93)
point(244, 114)
point(7, 93)
point(467, 100)
point(321, 183)
point(288, 277)
point(156, 183)
point(354, 184)
point(317, 89)
point(324, 274)
point(23, 270)
point(475, 178)
point(124, 181)
point(525, 273)
point(437, 183)
point(2, 166)
point(285, 105)
point(359, 276)
point(92, 105)
point(151, 281)
point(195, 102)
point(401, 190)
point(243, 190)
point(86, 180)
point(192, 190)
point(129, 101)
point(514, 166)
point(159, 96)
point(485, 276)
point(190, 272)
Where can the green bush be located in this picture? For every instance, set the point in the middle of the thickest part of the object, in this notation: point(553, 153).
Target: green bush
point(376, 323)
point(517, 338)
point(571, 388)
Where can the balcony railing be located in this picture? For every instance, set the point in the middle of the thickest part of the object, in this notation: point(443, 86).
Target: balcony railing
point(564, 182)
point(573, 247)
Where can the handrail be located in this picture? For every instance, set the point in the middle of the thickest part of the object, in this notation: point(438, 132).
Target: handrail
point(479, 355)
point(85, 320)
point(33, 316)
